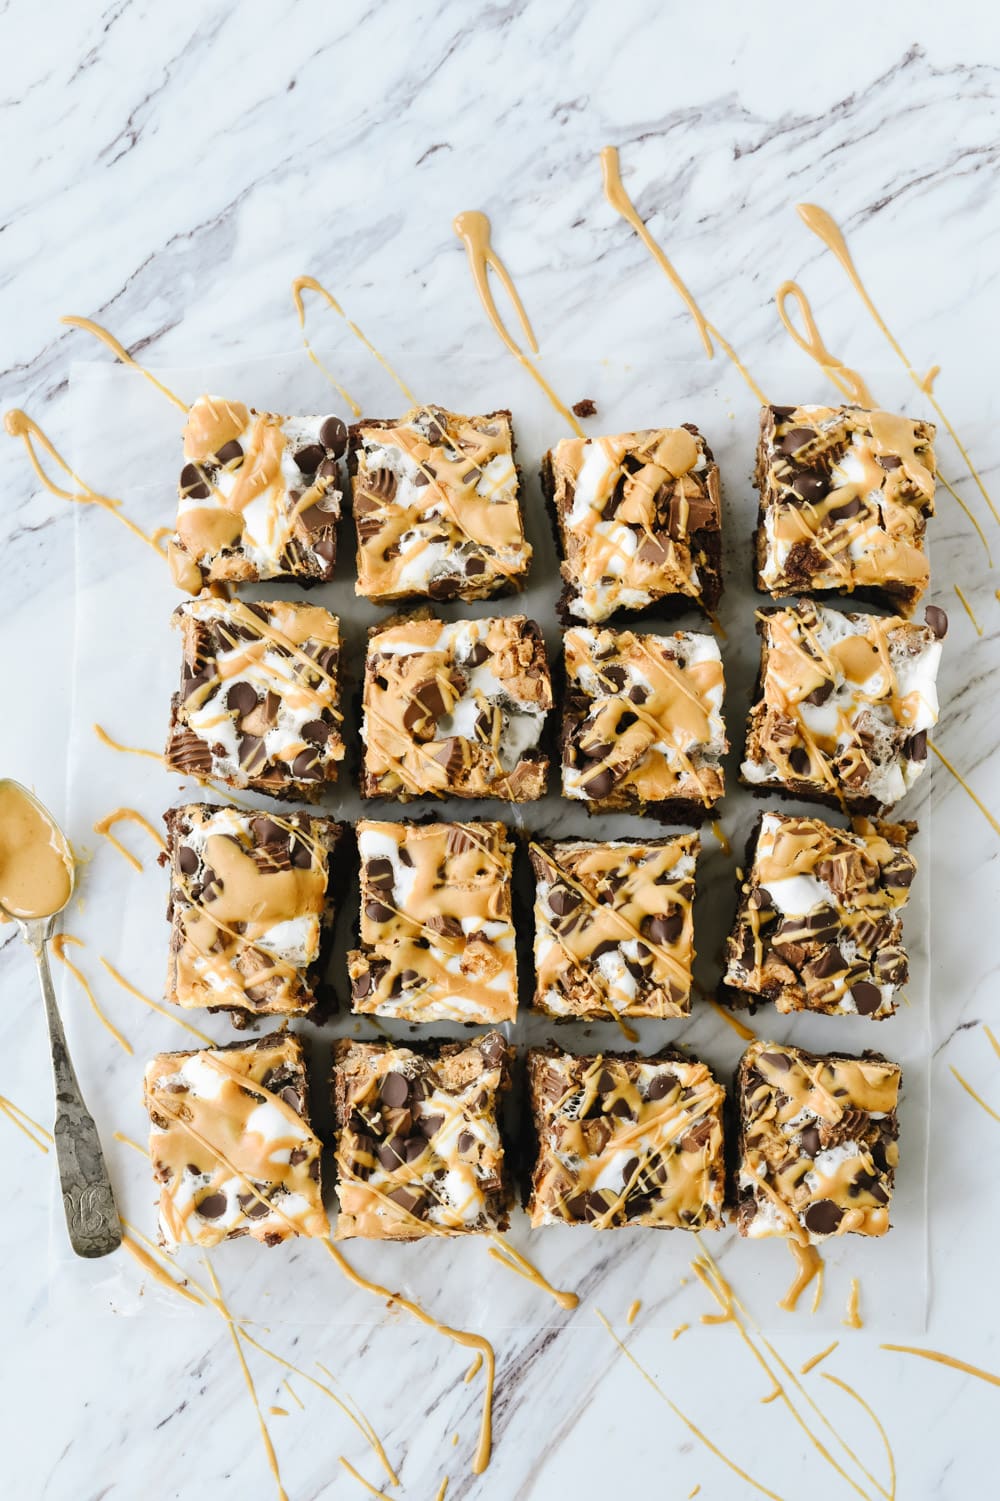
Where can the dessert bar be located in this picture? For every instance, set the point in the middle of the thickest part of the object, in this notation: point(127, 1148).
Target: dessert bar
point(437, 507)
point(258, 701)
point(436, 940)
point(419, 1149)
point(257, 497)
point(638, 522)
point(817, 1142)
point(231, 1144)
point(624, 1140)
point(843, 705)
point(844, 499)
point(642, 723)
point(455, 710)
point(614, 934)
point(819, 925)
point(250, 908)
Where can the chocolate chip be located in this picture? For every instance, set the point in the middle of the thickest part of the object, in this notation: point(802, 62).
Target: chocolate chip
point(889, 460)
point(392, 1153)
point(212, 1206)
point(301, 854)
point(395, 1090)
point(193, 485)
point(408, 1201)
point(361, 985)
point(309, 459)
point(600, 785)
point(333, 435)
point(916, 746)
point(659, 1086)
point(477, 656)
point(867, 997)
point(317, 731)
point(376, 912)
point(844, 512)
point(823, 1217)
point(475, 565)
point(187, 859)
point(292, 1099)
point(306, 767)
point(379, 874)
point(492, 1049)
point(810, 484)
point(266, 831)
point(798, 760)
point(819, 695)
point(430, 1125)
point(830, 962)
point(937, 620)
point(779, 1061)
point(616, 675)
point(252, 1207)
point(230, 452)
point(562, 900)
point(663, 928)
point(797, 438)
point(466, 1141)
point(242, 697)
point(252, 754)
point(809, 1140)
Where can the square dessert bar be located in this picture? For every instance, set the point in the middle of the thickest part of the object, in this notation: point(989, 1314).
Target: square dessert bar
point(259, 695)
point(250, 908)
point(258, 496)
point(817, 1142)
point(437, 507)
point(819, 924)
point(419, 1149)
point(843, 705)
point(436, 936)
point(624, 1140)
point(844, 499)
point(231, 1144)
point(614, 934)
point(638, 521)
point(642, 723)
point(455, 710)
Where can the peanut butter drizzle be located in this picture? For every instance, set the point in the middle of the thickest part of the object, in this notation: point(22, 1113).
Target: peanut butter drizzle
point(26, 1124)
point(890, 1494)
point(104, 826)
point(993, 823)
point(681, 1328)
point(59, 943)
point(310, 284)
point(36, 862)
point(948, 1360)
point(619, 200)
point(852, 1318)
point(633, 1311)
point(808, 1264)
point(474, 1368)
point(473, 229)
point(968, 610)
point(819, 222)
point(504, 1253)
point(847, 381)
point(118, 350)
point(814, 1360)
point(146, 1000)
point(740, 1028)
point(158, 1273)
point(293, 1394)
point(372, 1490)
point(234, 1334)
point(720, 836)
point(442, 1490)
point(974, 1095)
point(19, 425)
point(688, 1424)
point(128, 750)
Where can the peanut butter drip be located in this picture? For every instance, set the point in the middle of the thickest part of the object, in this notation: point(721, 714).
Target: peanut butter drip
point(632, 511)
point(248, 907)
point(819, 926)
point(626, 1141)
point(437, 940)
point(419, 1150)
point(455, 710)
point(436, 504)
point(258, 704)
point(846, 704)
point(614, 928)
point(817, 1143)
point(845, 495)
point(36, 863)
point(258, 496)
point(231, 1145)
point(643, 719)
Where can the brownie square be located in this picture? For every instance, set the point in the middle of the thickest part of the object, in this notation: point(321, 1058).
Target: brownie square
point(436, 935)
point(642, 723)
point(638, 520)
point(614, 934)
point(259, 698)
point(843, 705)
point(437, 507)
point(819, 925)
point(455, 710)
point(257, 497)
point(817, 1142)
point(844, 499)
point(231, 1144)
point(624, 1140)
point(419, 1148)
point(250, 909)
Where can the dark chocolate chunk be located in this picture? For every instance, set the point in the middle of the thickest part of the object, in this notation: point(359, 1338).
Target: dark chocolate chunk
point(937, 620)
point(309, 459)
point(395, 1090)
point(796, 438)
point(193, 485)
point(867, 997)
point(333, 435)
point(810, 484)
point(212, 1206)
point(230, 452)
point(823, 1217)
point(242, 697)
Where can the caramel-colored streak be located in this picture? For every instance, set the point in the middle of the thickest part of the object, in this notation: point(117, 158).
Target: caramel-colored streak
point(104, 826)
point(442, 1490)
point(310, 284)
point(146, 1000)
point(688, 1424)
point(474, 1369)
point(720, 835)
point(459, 1336)
point(293, 1394)
point(994, 1042)
point(948, 1360)
point(969, 514)
point(278, 1412)
point(814, 1360)
point(891, 1493)
point(965, 786)
point(26, 1124)
point(820, 223)
point(507, 1256)
point(977, 1097)
point(131, 1142)
point(808, 1264)
point(852, 1318)
point(19, 425)
point(372, 1490)
point(772, 1396)
point(968, 610)
point(120, 352)
point(847, 381)
point(59, 943)
point(234, 1335)
point(473, 229)
point(818, 1294)
point(157, 1272)
point(740, 1028)
point(633, 1311)
point(681, 1329)
point(128, 750)
point(619, 200)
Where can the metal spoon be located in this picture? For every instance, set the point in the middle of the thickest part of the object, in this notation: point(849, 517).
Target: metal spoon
point(91, 1215)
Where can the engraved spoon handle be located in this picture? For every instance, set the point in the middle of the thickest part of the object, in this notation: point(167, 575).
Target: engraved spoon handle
point(91, 1215)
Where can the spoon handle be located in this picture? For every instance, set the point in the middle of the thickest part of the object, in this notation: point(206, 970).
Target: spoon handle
point(91, 1215)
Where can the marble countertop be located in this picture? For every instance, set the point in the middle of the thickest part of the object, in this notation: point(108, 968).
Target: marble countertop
point(168, 171)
